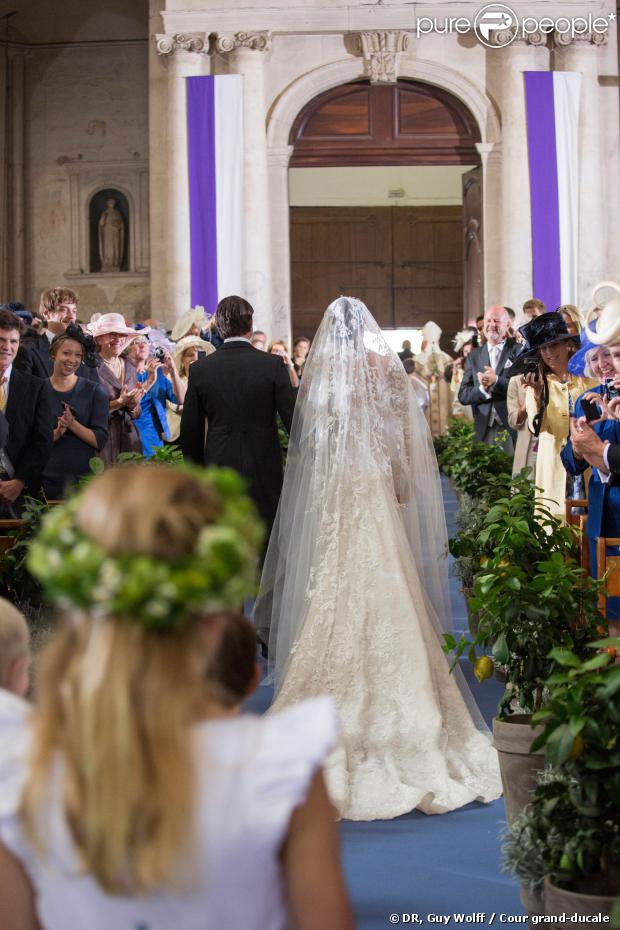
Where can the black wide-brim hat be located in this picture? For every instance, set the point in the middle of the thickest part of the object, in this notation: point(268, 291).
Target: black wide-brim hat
point(542, 331)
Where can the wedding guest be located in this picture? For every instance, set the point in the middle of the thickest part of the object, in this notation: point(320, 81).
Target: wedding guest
point(420, 387)
point(301, 347)
point(143, 802)
point(14, 664)
point(431, 362)
point(189, 323)
point(526, 446)
point(80, 414)
point(234, 674)
point(118, 377)
point(485, 379)
point(161, 385)
point(236, 394)
point(59, 309)
point(550, 396)
point(480, 329)
point(405, 351)
point(533, 308)
point(185, 354)
point(463, 344)
point(572, 317)
point(26, 402)
point(259, 340)
point(279, 347)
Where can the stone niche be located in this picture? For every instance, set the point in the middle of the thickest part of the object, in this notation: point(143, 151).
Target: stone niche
point(91, 185)
point(97, 209)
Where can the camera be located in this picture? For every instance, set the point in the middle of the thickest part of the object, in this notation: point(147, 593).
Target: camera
point(531, 366)
point(160, 353)
point(610, 390)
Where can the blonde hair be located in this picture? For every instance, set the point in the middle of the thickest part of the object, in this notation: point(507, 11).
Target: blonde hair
point(573, 313)
point(278, 342)
point(117, 700)
point(14, 639)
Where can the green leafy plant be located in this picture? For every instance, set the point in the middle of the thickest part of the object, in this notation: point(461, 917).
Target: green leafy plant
point(529, 594)
point(573, 826)
point(468, 462)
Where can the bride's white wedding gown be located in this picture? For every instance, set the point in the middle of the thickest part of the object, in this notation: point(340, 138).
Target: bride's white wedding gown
point(364, 630)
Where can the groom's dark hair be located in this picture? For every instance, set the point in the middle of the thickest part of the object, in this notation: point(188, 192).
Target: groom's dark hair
point(233, 317)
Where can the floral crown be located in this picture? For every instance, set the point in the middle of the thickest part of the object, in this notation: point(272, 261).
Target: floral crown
point(76, 573)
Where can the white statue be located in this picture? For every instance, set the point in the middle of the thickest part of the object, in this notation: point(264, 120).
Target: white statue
point(111, 237)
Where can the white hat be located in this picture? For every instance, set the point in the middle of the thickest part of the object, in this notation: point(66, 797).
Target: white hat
point(104, 323)
point(431, 333)
point(190, 342)
point(461, 339)
point(607, 332)
point(195, 317)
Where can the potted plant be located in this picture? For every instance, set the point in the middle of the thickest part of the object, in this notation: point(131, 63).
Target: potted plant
point(581, 739)
point(531, 596)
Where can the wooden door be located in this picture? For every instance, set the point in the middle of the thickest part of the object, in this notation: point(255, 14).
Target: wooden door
point(405, 263)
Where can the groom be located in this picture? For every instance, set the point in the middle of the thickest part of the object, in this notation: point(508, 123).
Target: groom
point(234, 396)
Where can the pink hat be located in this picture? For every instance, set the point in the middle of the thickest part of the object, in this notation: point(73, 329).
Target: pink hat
point(111, 323)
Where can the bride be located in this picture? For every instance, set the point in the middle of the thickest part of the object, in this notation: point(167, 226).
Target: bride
point(355, 590)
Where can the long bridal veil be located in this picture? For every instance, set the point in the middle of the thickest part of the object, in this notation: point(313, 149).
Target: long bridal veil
point(357, 431)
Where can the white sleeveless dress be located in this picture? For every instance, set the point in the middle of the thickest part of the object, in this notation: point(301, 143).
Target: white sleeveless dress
point(252, 773)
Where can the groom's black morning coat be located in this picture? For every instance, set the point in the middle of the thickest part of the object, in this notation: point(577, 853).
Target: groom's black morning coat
point(237, 391)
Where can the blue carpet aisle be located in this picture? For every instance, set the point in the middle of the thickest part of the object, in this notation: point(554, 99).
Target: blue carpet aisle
point(415, 864)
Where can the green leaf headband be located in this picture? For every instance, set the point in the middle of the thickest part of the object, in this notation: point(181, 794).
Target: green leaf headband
point(76, 573)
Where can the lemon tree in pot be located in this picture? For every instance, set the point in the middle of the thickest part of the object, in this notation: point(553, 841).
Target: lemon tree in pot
point(581, 740)
point(531, 596)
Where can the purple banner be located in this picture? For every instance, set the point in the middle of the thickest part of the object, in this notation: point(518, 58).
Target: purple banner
point(543, 187)
point(202, 194)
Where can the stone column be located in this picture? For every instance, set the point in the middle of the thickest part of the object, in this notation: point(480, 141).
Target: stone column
point(246, 55)
point(184, 57)
point(17, 244)
point(514, 283)
point(278, 160)
point(582, 55)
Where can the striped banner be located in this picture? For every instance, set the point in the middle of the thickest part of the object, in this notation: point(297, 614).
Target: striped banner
point(552, 106)
point(215, 171)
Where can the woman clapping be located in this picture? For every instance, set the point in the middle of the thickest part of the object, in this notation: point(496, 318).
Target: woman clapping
point(80, 414)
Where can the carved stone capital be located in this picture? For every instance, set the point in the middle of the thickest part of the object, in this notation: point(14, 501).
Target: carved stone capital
point(563, 39)
point(381, 51)
point(187, 42)
point(225, 42)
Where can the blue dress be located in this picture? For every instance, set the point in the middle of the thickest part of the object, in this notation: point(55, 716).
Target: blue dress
point(71, 455)
point(153, 422)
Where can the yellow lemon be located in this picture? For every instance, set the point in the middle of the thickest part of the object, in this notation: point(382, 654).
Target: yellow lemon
point(578, 747)
point(483, 668)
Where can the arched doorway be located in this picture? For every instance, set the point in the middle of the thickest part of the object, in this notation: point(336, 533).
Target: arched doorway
point(403, 255)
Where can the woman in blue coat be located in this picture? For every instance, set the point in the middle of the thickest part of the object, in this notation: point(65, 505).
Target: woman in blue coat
point(153, 422)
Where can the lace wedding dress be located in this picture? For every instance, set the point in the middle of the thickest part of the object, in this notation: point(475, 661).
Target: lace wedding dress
point(355, 584)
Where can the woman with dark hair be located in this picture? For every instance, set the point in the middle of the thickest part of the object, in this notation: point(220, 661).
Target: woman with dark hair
point(550, 396)
point(80, 411)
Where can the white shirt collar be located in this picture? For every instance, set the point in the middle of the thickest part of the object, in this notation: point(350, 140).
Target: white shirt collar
point(49, 334)
point(238, 339)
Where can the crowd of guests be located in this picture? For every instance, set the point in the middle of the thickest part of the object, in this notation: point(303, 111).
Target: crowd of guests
point(72, 389)
point(545, 386)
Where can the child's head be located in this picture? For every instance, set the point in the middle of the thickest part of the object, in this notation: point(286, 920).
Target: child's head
point(233, 672)
point(14, 650)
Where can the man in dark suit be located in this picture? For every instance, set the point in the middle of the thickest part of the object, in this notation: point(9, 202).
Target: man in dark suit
point(59, 307)
point(26, 402)
point(235, 394)
point(485, 378)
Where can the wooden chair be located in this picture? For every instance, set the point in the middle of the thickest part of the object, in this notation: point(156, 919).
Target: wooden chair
point(579, 520)
point(610, 565)
point(7, 541)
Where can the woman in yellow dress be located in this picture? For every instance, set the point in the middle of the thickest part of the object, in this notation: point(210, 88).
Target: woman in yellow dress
point(550, 395)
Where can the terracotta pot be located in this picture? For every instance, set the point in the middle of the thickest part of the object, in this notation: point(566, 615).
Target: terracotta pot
point(534, 903)
point(560, 901)
point(519, 767)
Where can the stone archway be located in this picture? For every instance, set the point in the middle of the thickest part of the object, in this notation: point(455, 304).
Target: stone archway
point(285, 113)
